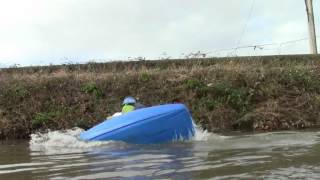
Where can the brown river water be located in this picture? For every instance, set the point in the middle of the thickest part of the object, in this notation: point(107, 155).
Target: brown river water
point(60, 155)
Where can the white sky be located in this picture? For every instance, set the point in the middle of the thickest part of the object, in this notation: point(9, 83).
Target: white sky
point(38, 32)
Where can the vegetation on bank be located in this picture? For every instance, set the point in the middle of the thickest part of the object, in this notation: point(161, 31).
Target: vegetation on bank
point(223, 94)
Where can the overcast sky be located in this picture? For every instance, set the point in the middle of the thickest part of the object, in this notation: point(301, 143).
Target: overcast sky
point(38, 32)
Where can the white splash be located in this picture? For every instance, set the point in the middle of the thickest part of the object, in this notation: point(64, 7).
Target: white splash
point(62, 141)
point(204, 135)
point(200, 134)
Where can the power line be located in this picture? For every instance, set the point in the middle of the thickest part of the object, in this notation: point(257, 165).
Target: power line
point(259, 46)
point(246, 24)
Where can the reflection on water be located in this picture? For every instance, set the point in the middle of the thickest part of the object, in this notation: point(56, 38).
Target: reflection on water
point(60, 155)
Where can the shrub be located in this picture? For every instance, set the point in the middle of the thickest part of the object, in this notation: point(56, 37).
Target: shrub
point(194, 84)
point(215, 103)
point(238, 98)
point(82, 123)
point(221, 88)
point(306, 80)
point(145, 77)
point(43, 119)
point(91, 88)
point(20, 91)
point(224, 93)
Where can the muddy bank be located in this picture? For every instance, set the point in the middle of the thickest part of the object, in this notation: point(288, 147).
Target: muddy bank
point(223, 94)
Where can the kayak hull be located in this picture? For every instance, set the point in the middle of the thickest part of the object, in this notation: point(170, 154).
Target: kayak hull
point(157, 124)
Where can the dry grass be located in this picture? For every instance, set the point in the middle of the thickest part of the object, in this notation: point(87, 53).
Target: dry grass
point(260, 93)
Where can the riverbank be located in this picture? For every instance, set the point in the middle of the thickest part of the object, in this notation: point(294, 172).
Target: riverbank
point(223, 94)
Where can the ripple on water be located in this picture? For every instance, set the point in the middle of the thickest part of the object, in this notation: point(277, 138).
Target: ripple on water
point(302, 172)
point(61, 155)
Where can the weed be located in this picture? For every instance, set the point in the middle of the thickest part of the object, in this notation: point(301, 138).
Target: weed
point(82, 123)
point(20, 91)
point(91, 88)
point(43, 119)
point(193, 84)
point(305, 79)
point(221, 88)
point(144, 77)
point(238, 98)
point(268, 90)
point(212, 104)
point(224, 93)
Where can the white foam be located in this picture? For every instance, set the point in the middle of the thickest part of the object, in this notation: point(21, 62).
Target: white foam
point(62, 141)
point(204, 135)
point(201, 135)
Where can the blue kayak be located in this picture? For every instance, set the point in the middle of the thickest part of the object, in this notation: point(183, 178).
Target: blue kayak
point(157, 124)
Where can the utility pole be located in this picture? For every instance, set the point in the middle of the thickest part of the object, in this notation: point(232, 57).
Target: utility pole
point(312, 29)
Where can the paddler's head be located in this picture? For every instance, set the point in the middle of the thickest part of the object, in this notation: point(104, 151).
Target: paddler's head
point(129, 100)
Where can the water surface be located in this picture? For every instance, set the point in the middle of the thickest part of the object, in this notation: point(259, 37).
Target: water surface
point(60, 155)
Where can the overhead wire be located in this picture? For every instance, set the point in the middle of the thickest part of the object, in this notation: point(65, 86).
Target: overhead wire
point(246, 24)
point(259, 46)
point(255, 46)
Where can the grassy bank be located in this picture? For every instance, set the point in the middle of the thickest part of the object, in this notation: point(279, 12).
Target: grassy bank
point(248, 93)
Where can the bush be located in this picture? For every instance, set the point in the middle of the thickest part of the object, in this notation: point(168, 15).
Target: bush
point(214, 104)
point(193, 84)
point(20, 91)
point(238, 98)
point(83, 123)
point(224, 93)
point(43, 119)
point(145, 77)
point(221, 88)
point(91, 88)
